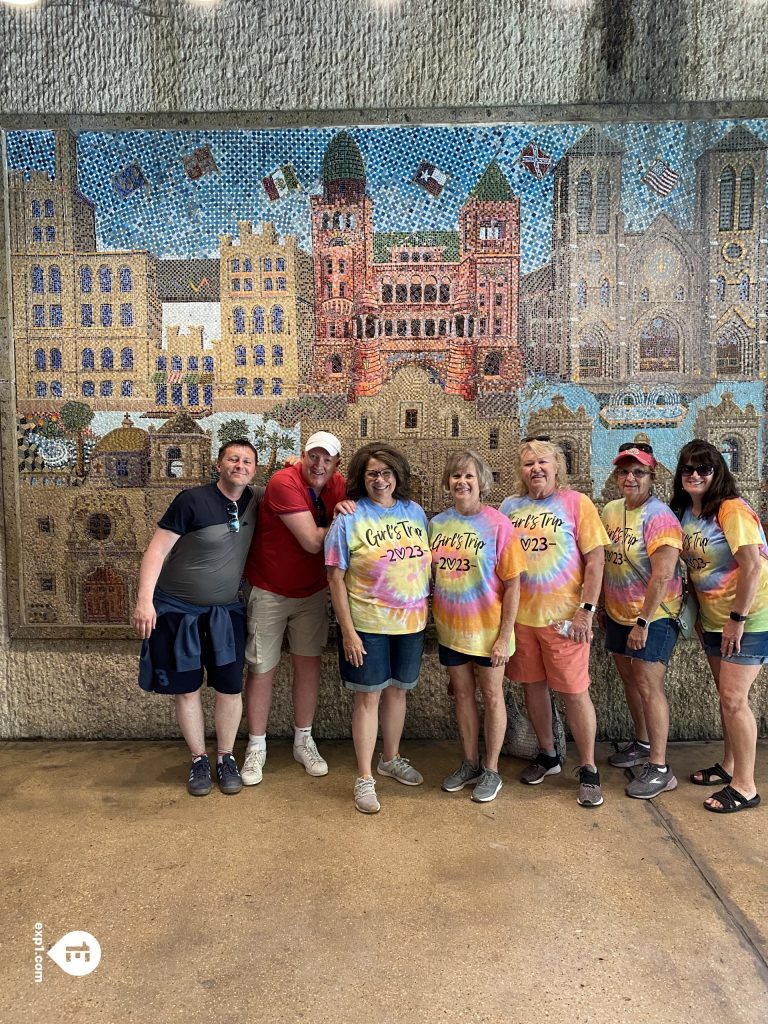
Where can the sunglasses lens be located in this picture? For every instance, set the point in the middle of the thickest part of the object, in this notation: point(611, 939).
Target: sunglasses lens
point(537, 437)
point(704, 470)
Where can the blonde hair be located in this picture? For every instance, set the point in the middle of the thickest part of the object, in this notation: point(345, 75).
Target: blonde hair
point(482, 470)
point(540, 449)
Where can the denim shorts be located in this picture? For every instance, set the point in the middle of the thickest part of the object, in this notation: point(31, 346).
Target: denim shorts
point(450, 658)
point(388, 661)
point(661, 640)
point(754, 648)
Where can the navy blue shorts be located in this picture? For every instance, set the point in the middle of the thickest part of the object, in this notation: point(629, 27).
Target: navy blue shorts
point(754, 648)
point(450, 658)
point(223, 678)
point(662, 637)
point(388, 661)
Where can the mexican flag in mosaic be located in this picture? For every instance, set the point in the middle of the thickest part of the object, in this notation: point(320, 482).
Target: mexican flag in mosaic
point(280, 182)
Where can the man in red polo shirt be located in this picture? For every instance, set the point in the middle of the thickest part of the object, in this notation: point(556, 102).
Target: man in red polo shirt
point(286, 569)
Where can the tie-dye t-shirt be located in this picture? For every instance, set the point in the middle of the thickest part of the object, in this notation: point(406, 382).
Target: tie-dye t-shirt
point(708, 546)
point(555, 532)
point(633, 540)
point(472, 556)
point(385, 555)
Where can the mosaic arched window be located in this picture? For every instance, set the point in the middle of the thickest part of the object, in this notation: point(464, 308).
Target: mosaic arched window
point(730, 449)
point(679, 293)
point(41, 389)
point(571, 460)
point(162, 363)
point(40, 360)
point(55, 358)
point(746, 198)
point(36, 211)
point(54, 279)
point(105, 389)
point(744, 287)
point(174, 467)
point(455, 425)
point(107, 359)
point(238, 320)
point(240, 385)
point(326, 221)
point(259, 358)
point(277, 385)
point(335, 363)
point(48, 207)
point(720, 288)
point(581, 294)
point(55, 315)
point(387, 292)
point(89, 389)
point(363, 426)
point(645, 295)
point(401, 292)
point(277, 320)
point(342, 266)
point(56, 389)
point(731, 350)
point(268, 284)
point(430, 290)
point(277, 355)
point(105, 279)
point(239, 355)
point(492, 364)
point(86, 280)
point(727, 195)
point(38, 280)
point(605, 292)
point(258, 320)
point(280, 263)
point(445, 292)
point(88, 362)
point(416, 291)
point(351, 220)
point(126, 389)
point(267, 264)
point(659, 347)
point(584, 202)
point(602, 203)
point(338, 220)
point(126, 282)
point(258, 386)
point(591, 353)
point(176, 364)
point(126, 359)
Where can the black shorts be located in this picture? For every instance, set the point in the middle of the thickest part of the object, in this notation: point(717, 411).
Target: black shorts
point(223, 678)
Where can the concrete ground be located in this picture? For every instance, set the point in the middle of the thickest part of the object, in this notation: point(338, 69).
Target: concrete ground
point(284, 904)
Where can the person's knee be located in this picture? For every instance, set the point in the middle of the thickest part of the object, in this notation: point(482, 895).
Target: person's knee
point(493, 697)
point(732, 701)
point(367, 700)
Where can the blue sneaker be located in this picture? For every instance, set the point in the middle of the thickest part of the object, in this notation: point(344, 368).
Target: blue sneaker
point(200, 782)
point(228, 775)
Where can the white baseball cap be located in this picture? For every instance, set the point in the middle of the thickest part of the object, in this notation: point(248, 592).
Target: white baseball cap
point(322, 439)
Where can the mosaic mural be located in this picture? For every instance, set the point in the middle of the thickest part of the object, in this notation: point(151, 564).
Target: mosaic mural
point(438, 286)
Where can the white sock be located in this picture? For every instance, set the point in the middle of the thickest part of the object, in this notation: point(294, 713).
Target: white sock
point(256, 742)
point(300, 736)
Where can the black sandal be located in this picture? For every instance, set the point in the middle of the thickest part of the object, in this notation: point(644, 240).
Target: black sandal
point(732, 801)
point(711, 776)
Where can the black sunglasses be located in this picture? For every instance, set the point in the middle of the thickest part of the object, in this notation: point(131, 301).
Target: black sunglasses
point(705, 469)
point(322, 515)
point(640, 446)
point(234, 518)
point(535, 437)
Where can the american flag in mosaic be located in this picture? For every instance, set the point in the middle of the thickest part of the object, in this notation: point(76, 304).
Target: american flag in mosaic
point(661, 178)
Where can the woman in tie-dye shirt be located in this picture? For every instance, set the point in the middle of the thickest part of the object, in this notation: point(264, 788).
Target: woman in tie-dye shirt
point(477, 561)
point(725, 552)
point(642, 593)
point(563, 541)
point(378, 564)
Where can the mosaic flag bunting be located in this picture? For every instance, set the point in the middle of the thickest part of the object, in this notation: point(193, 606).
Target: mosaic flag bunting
point(280, 182)
point(535, 160)
point(660, 178)
point(199, 163)
point(430, 178)
point(129, 180)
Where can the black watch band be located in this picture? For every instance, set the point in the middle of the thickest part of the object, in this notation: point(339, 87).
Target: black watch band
point(737, 617)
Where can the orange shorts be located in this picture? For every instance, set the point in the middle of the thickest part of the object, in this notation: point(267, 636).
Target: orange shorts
point(541, 654)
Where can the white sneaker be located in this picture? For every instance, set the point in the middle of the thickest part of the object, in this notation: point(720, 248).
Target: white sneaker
point(365, 796)
point(308, 755)
point(251, 771)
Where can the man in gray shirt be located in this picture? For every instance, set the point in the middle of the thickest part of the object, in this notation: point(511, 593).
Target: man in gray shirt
point(189, 611)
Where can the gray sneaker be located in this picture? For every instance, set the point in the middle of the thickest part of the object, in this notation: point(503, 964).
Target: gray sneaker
point(590, 793)
point(539, 769)
point(650, 782)
point(487, 788)
point(365, 796)
point(400, 769)
point(465, 775)
point(629, 755)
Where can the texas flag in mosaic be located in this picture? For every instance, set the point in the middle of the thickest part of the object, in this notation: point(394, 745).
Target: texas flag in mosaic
point(129, 179)
point(280, 182)
point(535, 160)
point(199, 163)
point(430, 178)
point(660, 177)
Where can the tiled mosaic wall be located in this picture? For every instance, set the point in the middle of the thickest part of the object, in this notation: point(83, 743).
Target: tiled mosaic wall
point(436, 286)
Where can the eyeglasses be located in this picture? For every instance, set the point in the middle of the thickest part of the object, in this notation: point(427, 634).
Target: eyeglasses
point(705, 469)
point(322, 515)
point(640, 446)
point(535, 437)
point(233, 517)
point(638, 474)
point(374, 474)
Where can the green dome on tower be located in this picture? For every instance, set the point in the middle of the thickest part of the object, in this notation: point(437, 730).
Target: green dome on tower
point(343, 160)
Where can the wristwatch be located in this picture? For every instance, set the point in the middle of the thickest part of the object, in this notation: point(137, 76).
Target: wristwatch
point(587, 606)
point(737, 617)
point(642, 623)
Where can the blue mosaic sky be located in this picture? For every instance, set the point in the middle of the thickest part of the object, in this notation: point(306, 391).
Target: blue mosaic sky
point(176, 217)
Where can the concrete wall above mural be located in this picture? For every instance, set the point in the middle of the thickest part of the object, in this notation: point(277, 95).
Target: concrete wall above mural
point(437, 286)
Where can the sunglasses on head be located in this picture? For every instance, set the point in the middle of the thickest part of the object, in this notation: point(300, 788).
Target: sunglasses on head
point(705, 469)
point(233, 517)
point(639, 445)
point(322, 515)
point(535, 437)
